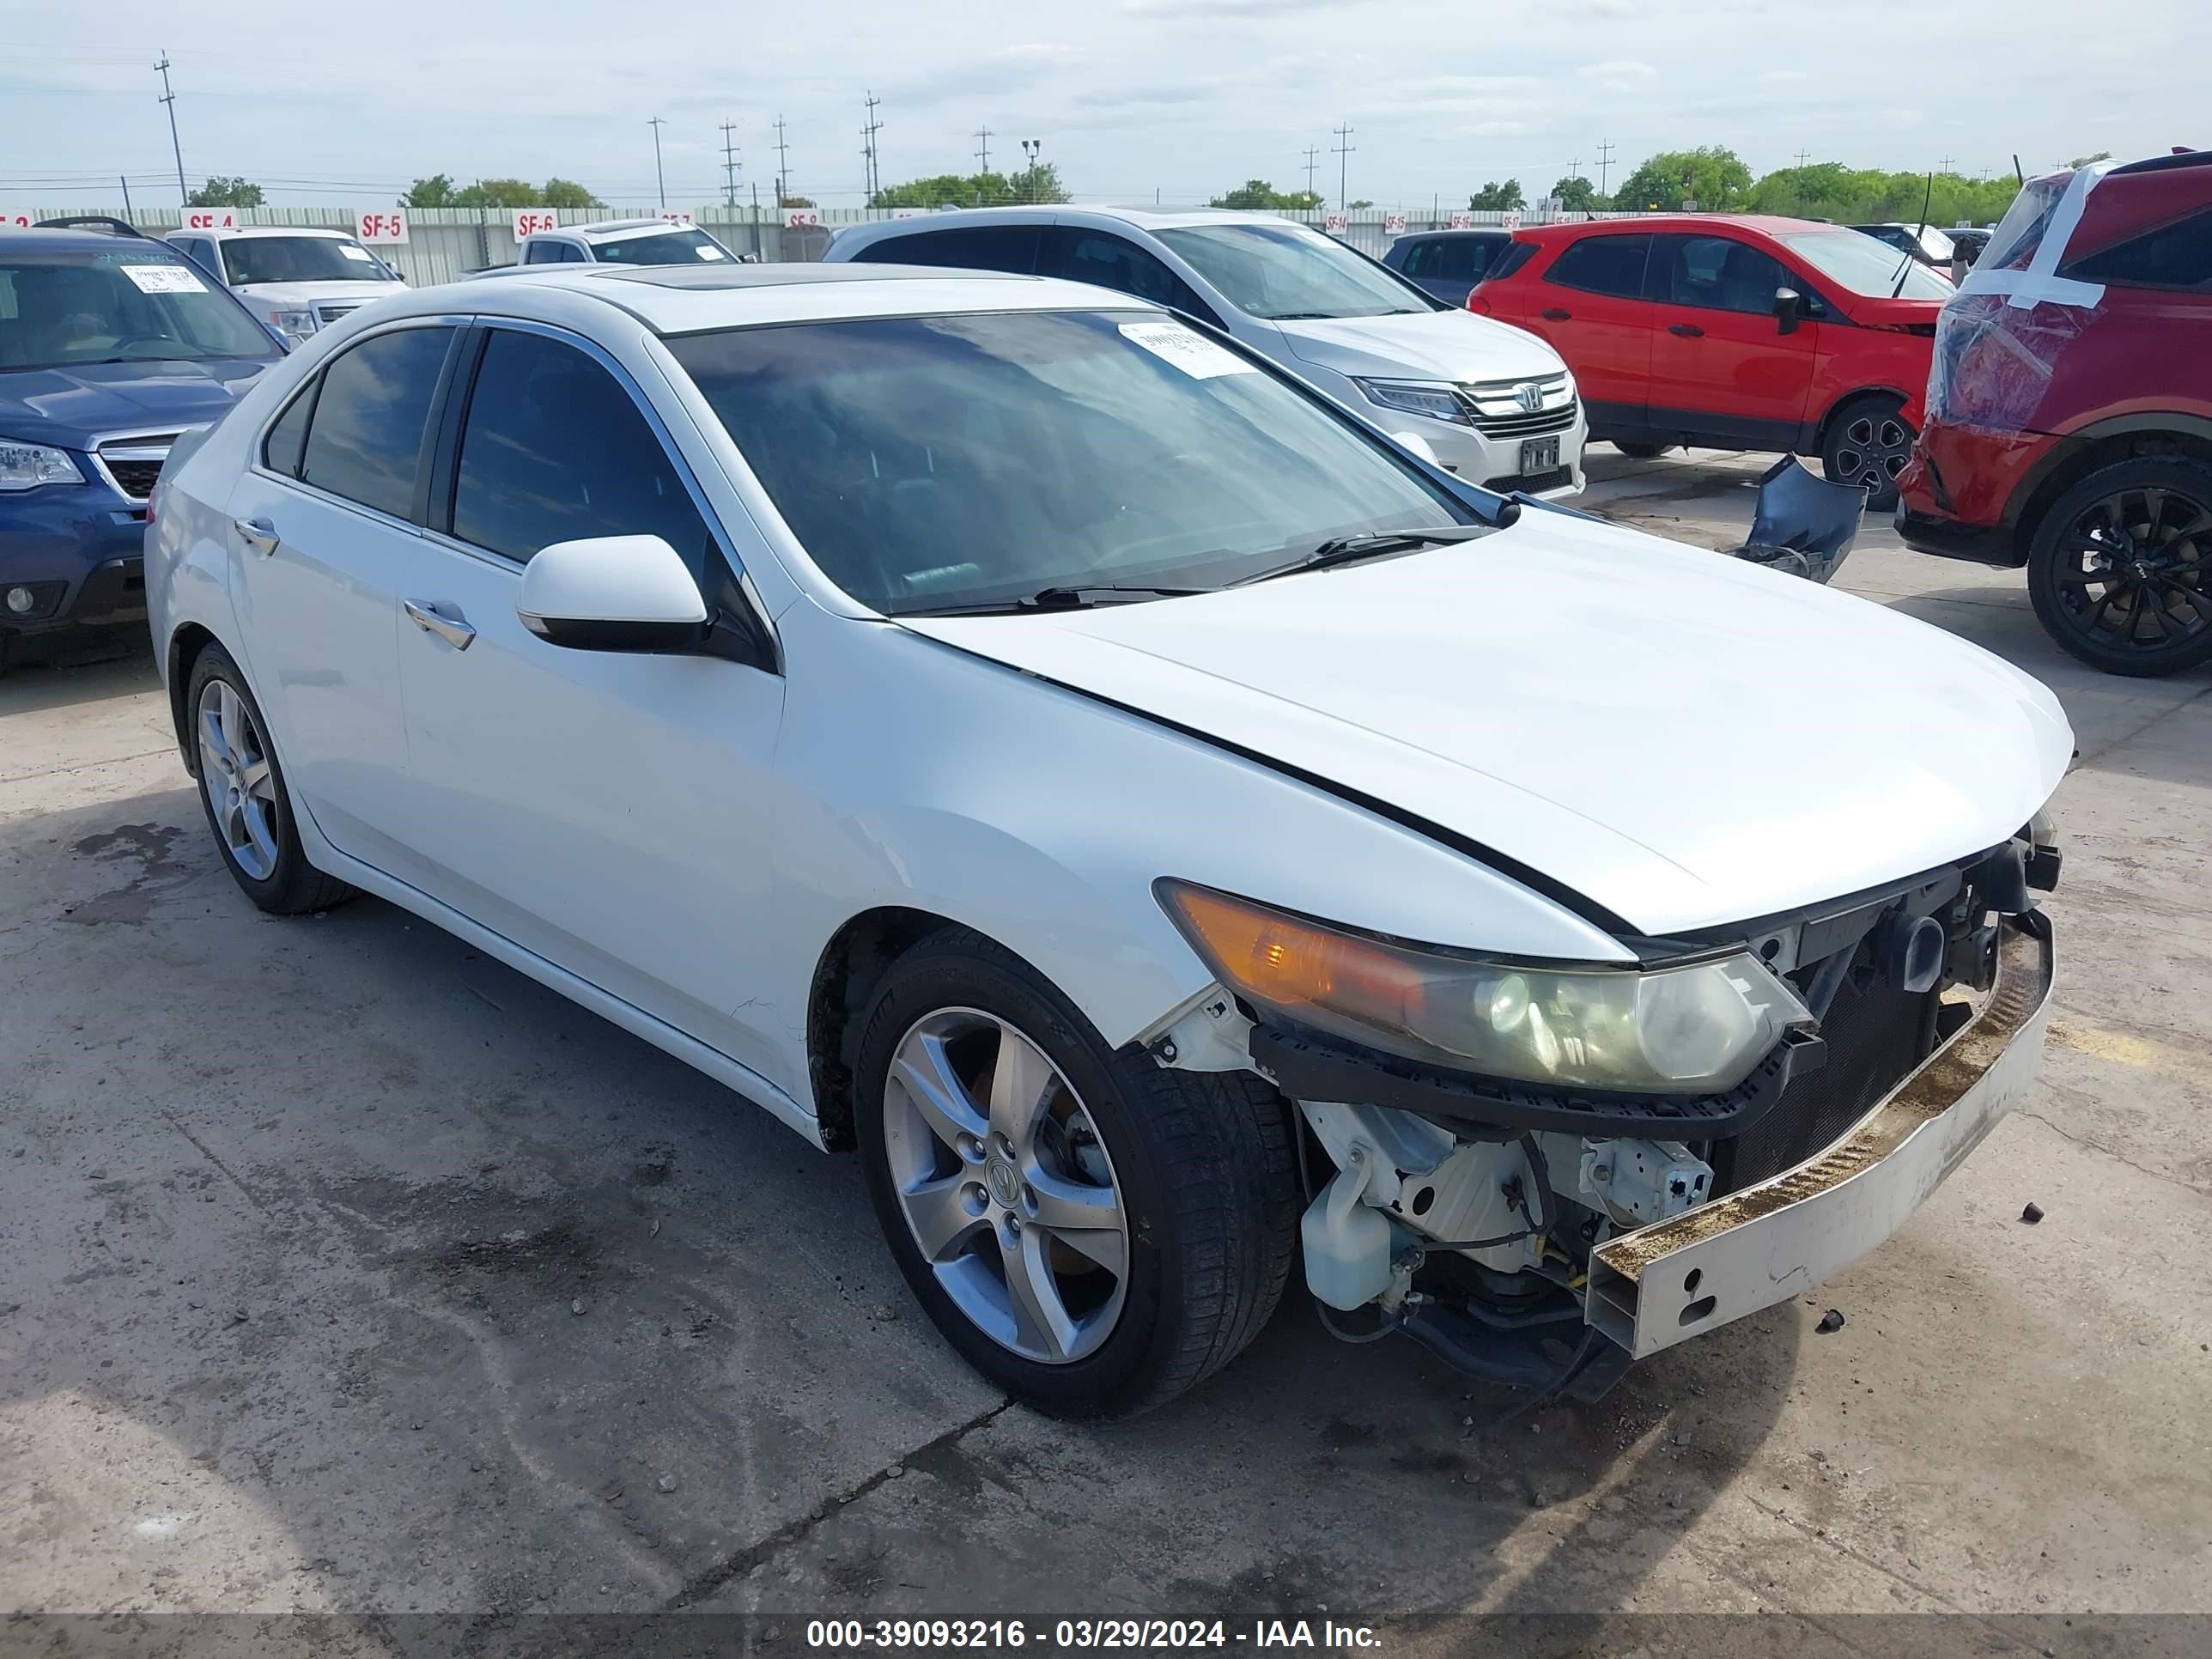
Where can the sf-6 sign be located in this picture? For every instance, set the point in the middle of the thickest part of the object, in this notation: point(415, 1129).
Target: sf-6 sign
point(380, 225)
point(528, 221)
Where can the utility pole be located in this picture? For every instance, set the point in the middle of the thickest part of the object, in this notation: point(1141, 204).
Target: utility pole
point(1032, 153)
point(782, 165)
point(1342, 148)
point(184, 196)
point(729, 164)
point(1804, 157)
point(1312, 165)
point(875, 174)
point(983, 150)
point(660, 183)
point(125, 183)
point(1946, 164)
point(1604, 165)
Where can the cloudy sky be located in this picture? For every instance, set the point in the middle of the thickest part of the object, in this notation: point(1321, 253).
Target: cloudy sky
point(1183, 98)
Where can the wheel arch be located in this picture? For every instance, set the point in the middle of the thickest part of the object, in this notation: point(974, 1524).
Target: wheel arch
point(2123, 438)
point(186, 643)
point(846, 974)
point(1845, 400)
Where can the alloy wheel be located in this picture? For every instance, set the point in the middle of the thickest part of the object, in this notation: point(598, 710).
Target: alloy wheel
point(240, 783)
point(1871, 450)
point(1006, 1183)
point(2131, 572)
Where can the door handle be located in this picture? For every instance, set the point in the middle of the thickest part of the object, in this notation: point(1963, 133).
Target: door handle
point(259, 534)
point(455, 633)
point(1687, 330)
point(1555, 314)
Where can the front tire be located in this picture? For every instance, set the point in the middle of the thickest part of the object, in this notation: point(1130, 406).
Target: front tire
point(1092, 1231)
point(1867, 442)
point(243, 793)
point(2118, 569)
point(1641, 452)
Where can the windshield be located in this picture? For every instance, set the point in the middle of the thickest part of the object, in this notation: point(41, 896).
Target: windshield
point(936, 463)
point(301, 260)
point(1284, 270)
point(2019, 234)
point(665, 247)
point(1858, 262)
point(118, 308)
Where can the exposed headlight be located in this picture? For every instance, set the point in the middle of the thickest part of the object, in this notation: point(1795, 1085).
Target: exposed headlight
point(297, 323)
point(1438, 402)
point(25, 466)
point(1698, 1029)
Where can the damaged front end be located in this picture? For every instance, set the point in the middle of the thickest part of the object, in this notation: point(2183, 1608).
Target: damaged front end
point(1545, 1235)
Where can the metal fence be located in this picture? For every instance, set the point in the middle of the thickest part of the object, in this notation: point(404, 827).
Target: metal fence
point(445, 243)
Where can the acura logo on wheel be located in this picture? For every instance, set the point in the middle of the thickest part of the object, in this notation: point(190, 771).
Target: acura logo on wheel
point(1529, 396)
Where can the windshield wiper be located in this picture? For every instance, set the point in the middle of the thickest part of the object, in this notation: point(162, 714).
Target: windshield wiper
point(1344, 550)
point(1075, 597)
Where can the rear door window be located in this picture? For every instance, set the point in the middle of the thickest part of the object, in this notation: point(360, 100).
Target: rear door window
point(2177, 255)
point(365, 440)
point(974, 247)
point(556, 450)
point(1603, 264)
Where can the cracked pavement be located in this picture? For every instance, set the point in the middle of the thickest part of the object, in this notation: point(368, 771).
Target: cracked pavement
point(347, 1271)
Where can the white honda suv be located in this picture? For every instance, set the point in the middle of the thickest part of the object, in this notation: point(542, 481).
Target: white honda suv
point(1167, 829)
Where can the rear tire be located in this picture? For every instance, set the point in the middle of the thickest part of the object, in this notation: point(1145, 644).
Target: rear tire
point(2117, 570)
point(243, 793)
point(1195, 1170)
point(1640, 452)
point(1867, 443)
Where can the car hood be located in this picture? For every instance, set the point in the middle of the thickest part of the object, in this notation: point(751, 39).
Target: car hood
point(74, 406)
point(297, 295)
point(1687, 740)
point(1439, 345)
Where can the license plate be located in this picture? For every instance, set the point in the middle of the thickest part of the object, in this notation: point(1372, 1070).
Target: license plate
point(1539, 455)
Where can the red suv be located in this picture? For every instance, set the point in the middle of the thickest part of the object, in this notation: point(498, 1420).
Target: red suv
point(1750, 333)
point(2069, 412)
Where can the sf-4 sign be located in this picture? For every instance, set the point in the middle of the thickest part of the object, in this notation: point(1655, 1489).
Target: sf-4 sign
point(211, 219)
point(380, 225)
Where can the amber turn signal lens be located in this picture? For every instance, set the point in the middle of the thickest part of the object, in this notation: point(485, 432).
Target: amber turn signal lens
point(1276, 960)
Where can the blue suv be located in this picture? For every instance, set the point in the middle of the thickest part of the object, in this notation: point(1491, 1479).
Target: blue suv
point(112, 345)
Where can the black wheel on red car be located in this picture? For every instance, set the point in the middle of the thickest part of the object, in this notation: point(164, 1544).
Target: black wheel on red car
point(1867, 442)
point(2118, 566)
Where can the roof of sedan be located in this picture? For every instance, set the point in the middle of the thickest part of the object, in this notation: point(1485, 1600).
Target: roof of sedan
point(683, 299)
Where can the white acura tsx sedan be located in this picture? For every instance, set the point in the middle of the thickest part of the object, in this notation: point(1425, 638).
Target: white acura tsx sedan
point(1170, 829)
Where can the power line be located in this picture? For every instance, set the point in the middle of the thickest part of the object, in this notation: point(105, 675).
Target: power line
point(1604, 165)
point(875, 174)
point(1341, 149)
point(729, 164)
point(782, 164)
point(659, 179)
point(169, 98)
point(983, 150)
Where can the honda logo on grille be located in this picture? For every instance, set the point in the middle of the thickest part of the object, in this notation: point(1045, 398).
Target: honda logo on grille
point(1529, 396)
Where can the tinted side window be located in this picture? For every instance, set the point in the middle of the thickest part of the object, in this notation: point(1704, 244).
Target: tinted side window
point(554, 450)
point(1100, 258)
point(976, 247)
point(1413, 259)
point(1603, 264)
point(541, 253)
point(2178, 255)
point(1715, 272)
point(288, 438)
point(1462, 258)
point(365, 442)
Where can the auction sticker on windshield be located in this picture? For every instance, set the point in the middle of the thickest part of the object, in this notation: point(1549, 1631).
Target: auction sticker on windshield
point(1193, 353)
point(164, 279)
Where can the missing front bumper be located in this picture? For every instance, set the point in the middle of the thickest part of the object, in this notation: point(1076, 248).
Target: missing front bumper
point(1683, 1276)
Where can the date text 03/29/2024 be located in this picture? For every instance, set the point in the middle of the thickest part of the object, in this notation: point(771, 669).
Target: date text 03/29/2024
point(893, 1634)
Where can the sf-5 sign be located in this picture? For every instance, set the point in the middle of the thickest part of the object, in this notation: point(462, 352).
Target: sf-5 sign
point(380, 225)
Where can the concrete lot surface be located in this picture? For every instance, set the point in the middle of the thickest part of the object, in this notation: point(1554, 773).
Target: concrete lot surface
point(343, 1270)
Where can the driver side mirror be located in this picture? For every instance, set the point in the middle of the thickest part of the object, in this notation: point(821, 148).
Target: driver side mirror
point(1789, 310)
point(615, 593)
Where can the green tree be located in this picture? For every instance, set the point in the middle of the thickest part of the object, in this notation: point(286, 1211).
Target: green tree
point(1360, 203)
point(2080, 162)
point(1712, 176)
point(794, 201)
point(1039, 183)
point(1849, 196)
point(219, 192)
point(435, 191)
point(499, 192)
point(1497, 196)
point(566, 193)
point(1259, 194)
point(1576, 195)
